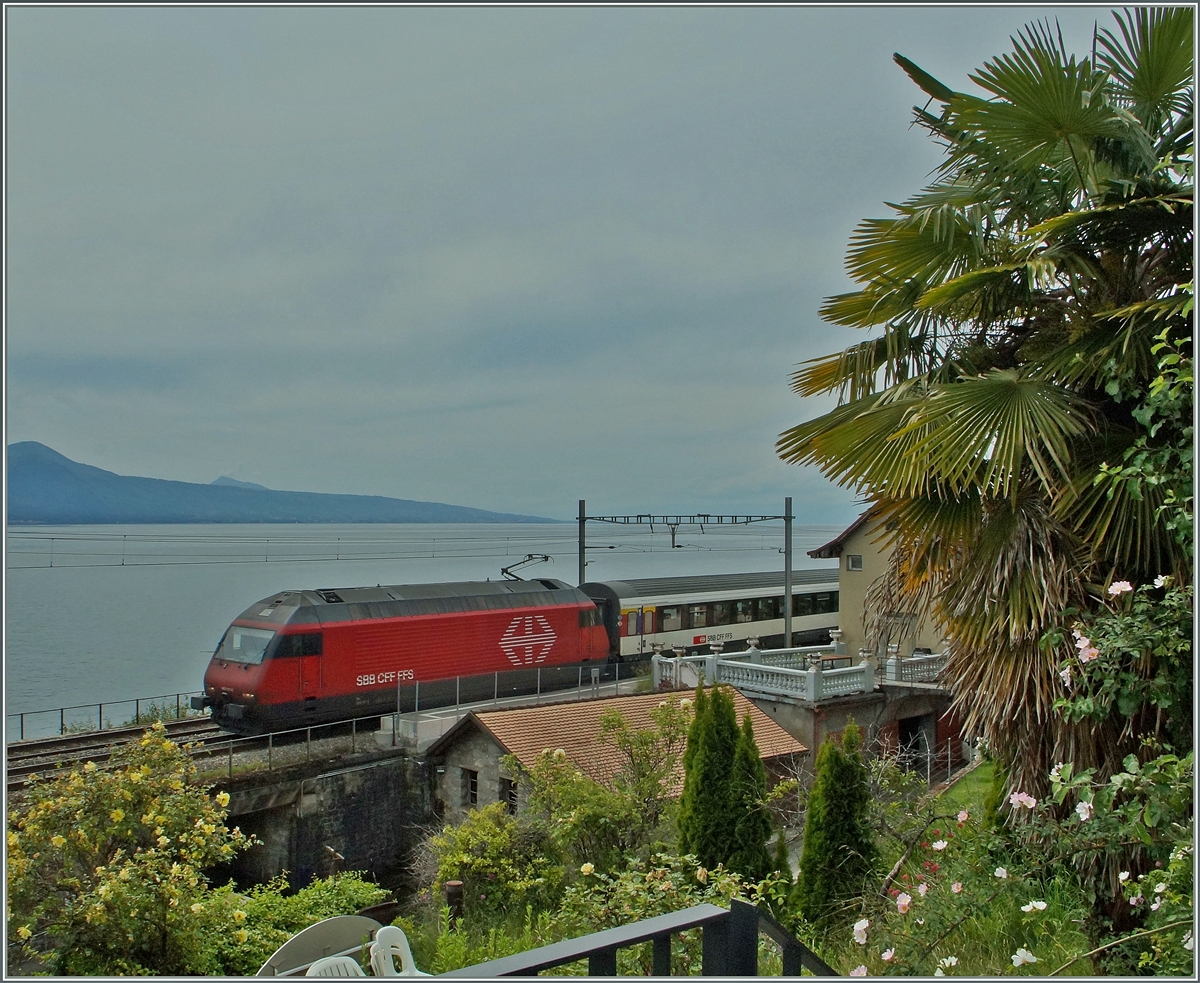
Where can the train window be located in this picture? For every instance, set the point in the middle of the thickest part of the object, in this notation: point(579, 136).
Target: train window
point(648, 622)
point(720, 613)
point(247, 645)
point(292, 645)
point(802, 605)
point(824, 603)
point(631, 623)
point(589, 618)
point(670, 619)
point(470, 788)
point(508, 795)
point(768, 608)
point(697, 615)
point(743, 612)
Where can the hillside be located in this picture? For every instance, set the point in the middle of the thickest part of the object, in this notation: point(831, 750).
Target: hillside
point(46, 488)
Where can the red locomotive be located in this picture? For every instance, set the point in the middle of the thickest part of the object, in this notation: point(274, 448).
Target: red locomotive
point(306, 657)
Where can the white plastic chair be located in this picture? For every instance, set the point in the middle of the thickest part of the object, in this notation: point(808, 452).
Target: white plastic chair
point(390, 941)
point(336, 966)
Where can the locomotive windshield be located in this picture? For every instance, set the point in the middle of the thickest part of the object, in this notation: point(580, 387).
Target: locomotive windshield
point(246, 645)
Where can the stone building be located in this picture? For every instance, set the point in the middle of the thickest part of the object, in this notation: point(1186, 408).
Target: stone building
point(466, 761)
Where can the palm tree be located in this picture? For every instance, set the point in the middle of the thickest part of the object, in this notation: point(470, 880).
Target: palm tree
point(1018, 299)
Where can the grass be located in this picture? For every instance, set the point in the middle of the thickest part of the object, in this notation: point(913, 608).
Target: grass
point(970, 791)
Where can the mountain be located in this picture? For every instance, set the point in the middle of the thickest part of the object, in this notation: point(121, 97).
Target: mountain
point(234, 483)
point(45, 487)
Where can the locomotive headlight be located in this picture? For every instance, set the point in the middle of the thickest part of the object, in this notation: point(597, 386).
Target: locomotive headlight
point(248, 697)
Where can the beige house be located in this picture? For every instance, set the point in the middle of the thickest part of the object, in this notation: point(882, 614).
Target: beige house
point(466, 760)
point(863, 560)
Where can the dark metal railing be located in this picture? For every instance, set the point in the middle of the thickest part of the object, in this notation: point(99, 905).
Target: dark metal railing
point(86, 717)
point(728, 946)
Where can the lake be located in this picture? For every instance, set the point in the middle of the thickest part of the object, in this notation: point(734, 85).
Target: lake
point(106, 613)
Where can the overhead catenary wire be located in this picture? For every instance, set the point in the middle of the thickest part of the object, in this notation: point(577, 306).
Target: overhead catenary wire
point(85, 549)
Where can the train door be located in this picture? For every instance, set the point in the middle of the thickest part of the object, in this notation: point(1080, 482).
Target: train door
point(310, 680)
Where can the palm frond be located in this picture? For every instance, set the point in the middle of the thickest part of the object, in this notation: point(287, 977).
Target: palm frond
point(1151, 63)
point(984, 431)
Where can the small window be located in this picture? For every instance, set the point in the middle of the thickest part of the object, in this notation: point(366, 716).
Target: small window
point(470, 788)
point(308, 643)
point(720, 613)
point(588, 618)
point(508, 795)
point(768, 608)
point(853, 561)
point(743, 612)
point(802, 605)
point(631, 623)
point(670, 619)
point(698, 616)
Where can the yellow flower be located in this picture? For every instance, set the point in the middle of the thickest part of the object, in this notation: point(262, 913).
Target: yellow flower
point(162, 841)
point(587, 869)
point(117, 815)
point(197, 908)
point(24, 932)
point(239, 916)
point(241, 935)
point(135, 777)
point(222, 799)
point(57, 840)
point(13, 840)
point(123, 873)
point(90, 766)
point(702, 876)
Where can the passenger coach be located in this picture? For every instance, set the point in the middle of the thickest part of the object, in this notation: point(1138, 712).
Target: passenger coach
point(694, 612)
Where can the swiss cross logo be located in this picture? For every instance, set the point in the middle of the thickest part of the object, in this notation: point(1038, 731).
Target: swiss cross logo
point(528, 640)
point(699, 639)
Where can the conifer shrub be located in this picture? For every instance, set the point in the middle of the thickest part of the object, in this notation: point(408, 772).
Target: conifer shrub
point(752, 826)
point(708, 812)
point(839, 853)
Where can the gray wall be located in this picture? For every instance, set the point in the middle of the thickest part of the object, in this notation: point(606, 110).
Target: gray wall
point(371, 815)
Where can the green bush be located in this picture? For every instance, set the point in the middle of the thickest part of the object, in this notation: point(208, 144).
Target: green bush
point(752, 827)
point(106, 866)
point(505, 863)
point(708, 812)
point(839, 854)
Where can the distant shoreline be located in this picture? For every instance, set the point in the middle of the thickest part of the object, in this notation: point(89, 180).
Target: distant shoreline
point(46, 488)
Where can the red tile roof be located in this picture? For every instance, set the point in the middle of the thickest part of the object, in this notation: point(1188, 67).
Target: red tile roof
point(575, 728)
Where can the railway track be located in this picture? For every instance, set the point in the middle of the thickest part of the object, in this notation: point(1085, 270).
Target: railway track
point(25, 758)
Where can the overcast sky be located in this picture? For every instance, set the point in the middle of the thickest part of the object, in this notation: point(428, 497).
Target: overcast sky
point(504, 257)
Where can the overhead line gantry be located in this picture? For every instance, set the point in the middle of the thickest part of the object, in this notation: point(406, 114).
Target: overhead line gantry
point(702, 519)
